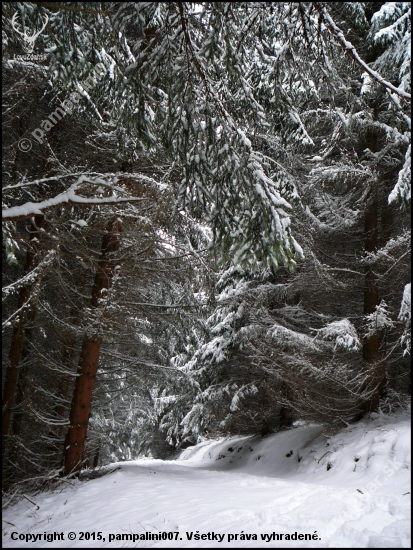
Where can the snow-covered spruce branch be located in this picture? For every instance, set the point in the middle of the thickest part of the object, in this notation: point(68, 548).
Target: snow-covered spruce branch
point(138, 177)
point(29, 209)
point(396, 103)
point(53, 6)
point(53, 365)
point(351, 50)
point(195, 59)
point(49, 421)
point(133, 362)
point(30, 277)
point(23, 309)
point(164, 306)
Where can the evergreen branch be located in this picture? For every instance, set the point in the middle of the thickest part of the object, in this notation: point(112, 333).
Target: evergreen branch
point(53, 6)
point(197, 63)
point(29, 209)
point(351, 50)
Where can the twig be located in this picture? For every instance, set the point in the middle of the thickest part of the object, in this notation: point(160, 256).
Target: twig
point(324, 456)
point(37, 506)
point(8, 522)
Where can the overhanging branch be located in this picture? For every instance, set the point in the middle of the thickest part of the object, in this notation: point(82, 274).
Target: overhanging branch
point(351, 50)
point(54, 6)
point(30, 209)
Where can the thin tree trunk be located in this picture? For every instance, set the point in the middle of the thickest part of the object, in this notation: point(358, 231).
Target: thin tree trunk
point(371, 300)
point(69, 357)
point(96, 459)
point(286, 418)
point(371, 345)
point(89, 358)
point(22, 381)
point(17, 340)
point(68, 361)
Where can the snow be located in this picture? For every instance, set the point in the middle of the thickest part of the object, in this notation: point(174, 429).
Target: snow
point(244, 139)
point(379, 320)
point(367, 84)
point(405, 315)
point(405, 308)
point(344, 334)
point(33, 208)
point(349, 488)
point(81, 223)
point(402, 189)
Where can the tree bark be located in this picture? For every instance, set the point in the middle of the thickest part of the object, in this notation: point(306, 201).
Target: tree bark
point(69, 357)
point(22, 381)
point(371, 345)
point(17, 340)
point(89, 359)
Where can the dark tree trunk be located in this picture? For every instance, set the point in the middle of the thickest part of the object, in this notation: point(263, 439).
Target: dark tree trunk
point(17, 341)
point(89, 358)
point(286, 417)
point(69, 361)
point(22, 381)
point(96, 459)
point(371, 345)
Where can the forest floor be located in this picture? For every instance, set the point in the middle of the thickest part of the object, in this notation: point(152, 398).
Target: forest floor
point(350, 489)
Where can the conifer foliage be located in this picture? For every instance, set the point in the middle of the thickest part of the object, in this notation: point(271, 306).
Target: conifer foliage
point(205, 223)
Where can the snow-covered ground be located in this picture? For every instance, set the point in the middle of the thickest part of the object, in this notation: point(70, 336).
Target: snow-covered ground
point(304, 487)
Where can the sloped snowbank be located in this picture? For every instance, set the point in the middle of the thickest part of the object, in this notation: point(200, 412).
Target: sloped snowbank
point(352, 488)
point(373, 453)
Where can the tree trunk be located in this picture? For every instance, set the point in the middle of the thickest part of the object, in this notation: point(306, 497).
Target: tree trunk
point(371, 345)
point(96, 459)
point(69, 361)
point(69, 357)
point(22, 381)
point(286, 417)
point(17, 340)
point(89, 358)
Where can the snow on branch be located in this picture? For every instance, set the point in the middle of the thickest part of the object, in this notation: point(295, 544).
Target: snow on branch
point(29, 278)
point(405, 315)
point(405, 308)
point(29, 209)
point(351, 50)
point(378, 321)
point(342, 333)
point(402, 189)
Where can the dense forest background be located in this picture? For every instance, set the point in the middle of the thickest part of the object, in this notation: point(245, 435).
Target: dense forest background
point(206, 224)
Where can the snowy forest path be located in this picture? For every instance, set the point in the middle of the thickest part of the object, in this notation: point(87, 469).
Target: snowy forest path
point(165, 496)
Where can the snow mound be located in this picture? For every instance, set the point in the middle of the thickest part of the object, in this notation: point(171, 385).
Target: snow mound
point(343, 489)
